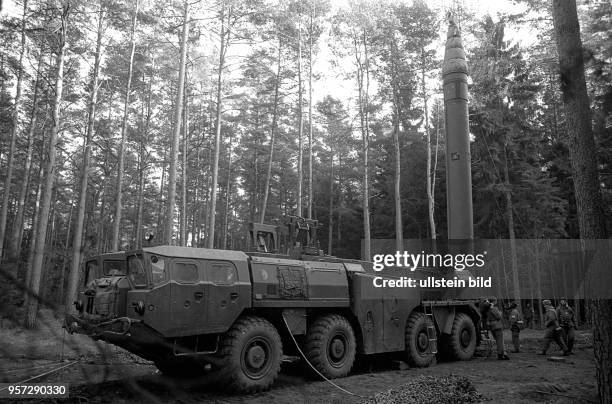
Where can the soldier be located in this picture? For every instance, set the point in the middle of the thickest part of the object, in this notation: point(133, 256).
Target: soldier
point(553, 329)
point(494, 322)
point(566, 317)
point(528, 315)
point(516, 323)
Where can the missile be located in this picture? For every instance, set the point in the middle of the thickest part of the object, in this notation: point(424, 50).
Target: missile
point(458, 160)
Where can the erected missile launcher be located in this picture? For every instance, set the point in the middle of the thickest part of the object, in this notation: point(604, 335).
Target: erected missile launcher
point(192, 309)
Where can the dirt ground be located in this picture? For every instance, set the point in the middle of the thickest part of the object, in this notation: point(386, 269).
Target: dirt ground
point(105, 374)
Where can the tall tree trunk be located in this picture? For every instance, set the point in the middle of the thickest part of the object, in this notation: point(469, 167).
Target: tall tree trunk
point(184, 167)
point(300, 125)
point(511, 235)
point(430, 193)
point(77, 241)
point(121, 157)
point(330, 228)
point(142, 165)
point(273, 128)
point(64, 261)
point(32, 240)
point(171, 202)
point(310, 190)
point(215, 176)
point(19, 217)
point(228, 194)
point(591, 216)
point(32, 308)
point(363, 75)
point(13, 136)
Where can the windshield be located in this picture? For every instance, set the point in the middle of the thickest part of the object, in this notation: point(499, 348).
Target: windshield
point(91, 271)
point(136, 270)
point(114, 267)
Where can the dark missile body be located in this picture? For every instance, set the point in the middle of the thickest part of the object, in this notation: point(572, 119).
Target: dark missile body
point(458, 159)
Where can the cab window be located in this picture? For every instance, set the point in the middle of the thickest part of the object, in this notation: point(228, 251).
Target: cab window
point(114, 268)
point(136, 271)
point(91, 271)
point(184, 272)
point(158, 269)
point(222, 273)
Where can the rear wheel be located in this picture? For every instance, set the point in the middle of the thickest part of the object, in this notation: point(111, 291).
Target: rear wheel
point(251, 354)
point(418, 353)
point(463, 337)
point(330, 345)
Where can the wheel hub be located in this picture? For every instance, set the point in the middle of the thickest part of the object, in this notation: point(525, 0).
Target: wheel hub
point(465, 338)
point(422, 341)
point(337, 348)
point(256, 357)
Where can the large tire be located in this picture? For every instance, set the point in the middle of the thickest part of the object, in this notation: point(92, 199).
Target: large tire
point(331, 346)
point(462, 338)
point(251, 353)
point(418, 353)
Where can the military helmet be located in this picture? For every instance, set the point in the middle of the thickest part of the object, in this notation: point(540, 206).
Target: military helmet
point(546, 303)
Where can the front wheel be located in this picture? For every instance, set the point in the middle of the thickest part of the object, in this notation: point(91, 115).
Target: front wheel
point(331, 346)
point(251, 354)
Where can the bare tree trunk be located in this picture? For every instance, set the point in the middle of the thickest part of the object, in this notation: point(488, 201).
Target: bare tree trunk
point(591, 213)
point(32, 308)
point(366, 146)
point(77, 242)
point(430, 191)
point(142, 167)
point(13, 136)
point(273, 128)
point(215, 176)
point(121, 157)
point(63, 270)
point(330, 228)
point(171, 202)
point(300, 124)
point(310, 190)
point(19, 217)
point(511, 235)
point(33, 232)
point(184, 174)
point(228, 194)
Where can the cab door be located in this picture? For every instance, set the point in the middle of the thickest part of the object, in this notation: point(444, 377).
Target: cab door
point(223, 297)
point(187, 297)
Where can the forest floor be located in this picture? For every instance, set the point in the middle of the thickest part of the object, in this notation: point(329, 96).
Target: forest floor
point(105, 373)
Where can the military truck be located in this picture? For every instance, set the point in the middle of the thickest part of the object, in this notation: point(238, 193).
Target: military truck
point(190, 310)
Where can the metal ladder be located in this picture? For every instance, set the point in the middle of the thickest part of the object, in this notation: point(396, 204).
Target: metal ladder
point(431, 329)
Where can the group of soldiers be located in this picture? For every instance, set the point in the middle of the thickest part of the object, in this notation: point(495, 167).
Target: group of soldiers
point(560, 324)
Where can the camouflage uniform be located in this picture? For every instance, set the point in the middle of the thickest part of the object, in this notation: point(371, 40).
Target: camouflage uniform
point(515, 326)
point(494, 323)
point(566, 317)
point(553, 330)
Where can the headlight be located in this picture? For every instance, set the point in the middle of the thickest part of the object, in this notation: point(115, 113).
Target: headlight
point(139, 307)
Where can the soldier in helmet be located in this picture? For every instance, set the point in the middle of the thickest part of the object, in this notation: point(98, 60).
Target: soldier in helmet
point(516, 323)
point(494, 322)
point(553, 329)
point(566, 317)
